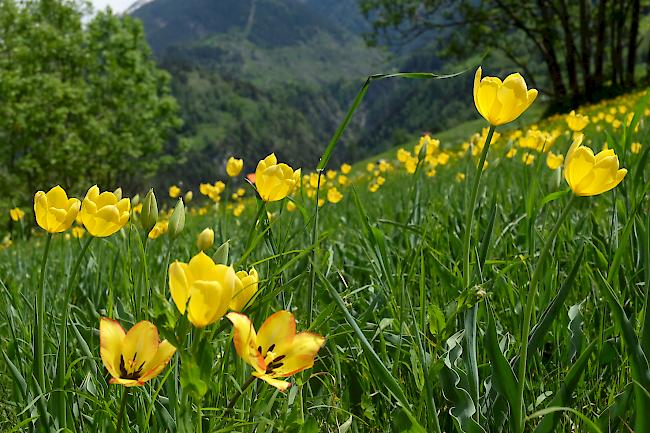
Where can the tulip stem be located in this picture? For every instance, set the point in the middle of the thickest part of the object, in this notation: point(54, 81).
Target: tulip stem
point(312, 265)
point(471, 316)
point(120, 414)
point(518, 409)
point(39, 352)
point(239, 393)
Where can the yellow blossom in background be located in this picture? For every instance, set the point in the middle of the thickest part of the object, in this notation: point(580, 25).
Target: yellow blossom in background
point(511, 153)
point(499, 101)
point(203, 211)
point(205, 239)
point(274, 181)
point(370, 167)
point(460, 177)
point(239, 209)
point(403, 155)
point(314, 181)
point(373, 187)
point(635, 147)
point(346, 168)
point(241, 192)
point(174, 191)
point(291, 206)
point(588, 174)
point(78, 232)
point(576, 122)
point(16, 214)
point(189, 195)
point(246, 286)
point(384, 166)
point(380, 180)
point(333, 195)
point(159, 229)
point(133, 358)
point(54, 211)
point(411, 165)
point(321, 202)
point(431, 172)
point(202, 288)
point(554, 161)
point(331, 174)
point(443, 158)
point(275, 351)
point(343, 180)
point(234, 166)
point(137, 208)
point(102, 214)
point(528, 158)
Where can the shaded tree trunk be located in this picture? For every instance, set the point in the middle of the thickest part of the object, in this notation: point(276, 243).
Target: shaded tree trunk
point(585, 46)
point(599, 58)
point(632, 44)
point(549, 54)
point(569, 50)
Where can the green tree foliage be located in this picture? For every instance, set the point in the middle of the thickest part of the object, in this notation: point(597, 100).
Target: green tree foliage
point(80, 103)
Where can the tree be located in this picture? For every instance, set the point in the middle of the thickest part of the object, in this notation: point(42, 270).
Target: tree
point(79, 103)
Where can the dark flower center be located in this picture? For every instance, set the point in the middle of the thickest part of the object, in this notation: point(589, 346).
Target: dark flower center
point(275, 363)
point(135, 374)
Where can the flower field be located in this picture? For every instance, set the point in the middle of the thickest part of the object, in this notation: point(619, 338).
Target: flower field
point(494, 284)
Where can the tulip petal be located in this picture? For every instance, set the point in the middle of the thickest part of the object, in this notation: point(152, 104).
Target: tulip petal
point(300, 355)
point(111, 339)
point(158, 362)
point(140, 346)
point(208, 302)
point(278, 330)
point(203, 267)
point(179, 284)
point(56, 197)
point(279, 384)
point(245, 340)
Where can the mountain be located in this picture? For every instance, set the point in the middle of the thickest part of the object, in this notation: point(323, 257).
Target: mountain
point(255, 76)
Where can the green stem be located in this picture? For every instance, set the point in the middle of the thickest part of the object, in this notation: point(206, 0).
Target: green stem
point(518, 409)
point(199, 412)
point(120, 414)
point(471, 316)
point(234, 399)
point(39, 352)
point(312, 268)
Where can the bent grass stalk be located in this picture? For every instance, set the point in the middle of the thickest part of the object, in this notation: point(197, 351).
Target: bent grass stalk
point(39, 349)
point(518, 409)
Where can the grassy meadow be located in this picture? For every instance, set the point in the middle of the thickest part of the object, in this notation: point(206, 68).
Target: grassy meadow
point(424, 316)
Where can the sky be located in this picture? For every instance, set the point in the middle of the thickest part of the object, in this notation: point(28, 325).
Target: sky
point(117, 5)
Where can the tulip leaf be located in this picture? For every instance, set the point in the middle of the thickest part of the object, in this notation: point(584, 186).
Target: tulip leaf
point(611, 417)
point(554, 196)
point(554, 410)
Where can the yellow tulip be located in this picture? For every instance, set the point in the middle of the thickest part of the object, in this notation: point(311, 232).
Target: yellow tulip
point(499, 101)
point(635, 147)
point(331, 174)
point(239, 209)
point(205, 239)
point(78, 232)
point(554, 161)
point(333, 195)
point(103, 214)
point(54, 211)
point(246, 286)
point(202, 288)
point(16, 214)
point(159, 229)
point(174, 191)
point(346, 168)
point(403, 155)
point(234, 166)
point(274, 181)
point(135, 357)
point(588, 174)
point(275, 351)
point(577, 122)
point(291, 206)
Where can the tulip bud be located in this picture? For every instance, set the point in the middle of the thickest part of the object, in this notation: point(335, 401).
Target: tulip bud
point(149, 214)
point(556, 179)
point(135, 200)
point(221, 255)
point(118, 193)
point(188, 196)
point(177, 220)
point(205, 239)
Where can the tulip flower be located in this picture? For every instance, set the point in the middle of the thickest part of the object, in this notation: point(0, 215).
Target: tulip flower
point(234, 166)
point(554, 161)
point(135, 357)
point(276, 351)
point(576, 122)
point(274, 181)
point(346, 168)
point(245, 288)
point(202, 288)
point(500, 102)
point(16, 214)
point(205, 239)
point(334, 195)
point(103, 214)
point(174, 191)
point(588, 174)
point(55, 212)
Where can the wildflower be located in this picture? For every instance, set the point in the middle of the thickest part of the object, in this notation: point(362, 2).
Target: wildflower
point(554, 161)
point(240, 192)
point(589, 175)
point(527, 158)
point(403, 155)
point(78, 232)
point(205, 239)
point(202, 288)
point(334, 195)
point(576, 122)
point(314, 181)
point(635, 148)
point(16, 214)
point(443, 158)
point(343, 180)
point(54, 211)
point(346, 168)
point(331, 174)
point(511, 153)
point(291, 206)
point(276, 351)
point(373, 187)
point(380, 180)
point(174, 191)
point(246, 286)
point(274, 181)
point(135, 357)
point(234, 166)
point(499, 101)
point(102, 214)
point(159, 229)
point(321, 202)
point(239, 209)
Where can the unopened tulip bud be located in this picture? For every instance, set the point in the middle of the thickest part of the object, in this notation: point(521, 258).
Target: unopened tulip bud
point(118, 193)
point(149, 214)
point(135, 200)
point(188, 196)
point(221, 255)
point(205, 239)
point(177, 220)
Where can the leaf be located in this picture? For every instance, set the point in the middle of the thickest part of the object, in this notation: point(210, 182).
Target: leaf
point(503, 378)
point(575, 329)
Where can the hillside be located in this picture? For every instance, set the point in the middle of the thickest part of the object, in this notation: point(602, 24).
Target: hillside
point(257, 76)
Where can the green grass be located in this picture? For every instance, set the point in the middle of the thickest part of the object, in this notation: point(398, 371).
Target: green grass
point(389, 297)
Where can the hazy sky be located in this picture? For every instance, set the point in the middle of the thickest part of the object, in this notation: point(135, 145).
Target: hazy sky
point(117, 5)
